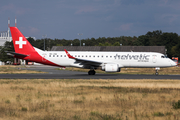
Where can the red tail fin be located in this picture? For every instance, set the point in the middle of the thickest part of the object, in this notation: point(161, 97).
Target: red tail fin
point(21, 44)
point(24, 50)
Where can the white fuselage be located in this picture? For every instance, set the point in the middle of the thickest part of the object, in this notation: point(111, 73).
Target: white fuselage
point(123, 59)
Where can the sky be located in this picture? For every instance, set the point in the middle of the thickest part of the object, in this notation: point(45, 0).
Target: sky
point(64, 19)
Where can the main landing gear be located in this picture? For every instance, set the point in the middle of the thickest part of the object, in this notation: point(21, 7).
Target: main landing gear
point(91, 72)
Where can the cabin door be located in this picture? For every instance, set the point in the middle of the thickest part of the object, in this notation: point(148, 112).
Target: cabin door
point(154, 58)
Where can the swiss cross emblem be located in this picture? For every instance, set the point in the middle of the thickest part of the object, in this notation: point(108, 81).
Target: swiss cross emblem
point(20, 42)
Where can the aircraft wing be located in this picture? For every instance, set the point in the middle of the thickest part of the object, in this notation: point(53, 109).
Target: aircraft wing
point(83, 61)
point(14, 53)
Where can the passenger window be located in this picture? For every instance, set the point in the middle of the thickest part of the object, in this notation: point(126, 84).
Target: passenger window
point(89, 56)
point(94, 56)
point(78, 55)
point(162, 56)
point(64, 55)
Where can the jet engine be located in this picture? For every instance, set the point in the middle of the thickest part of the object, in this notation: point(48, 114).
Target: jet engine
point(111, 68)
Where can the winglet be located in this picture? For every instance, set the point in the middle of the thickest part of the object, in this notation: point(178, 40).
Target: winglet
point(69, 54)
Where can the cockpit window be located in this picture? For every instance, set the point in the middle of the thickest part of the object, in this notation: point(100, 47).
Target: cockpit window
point(163, 56)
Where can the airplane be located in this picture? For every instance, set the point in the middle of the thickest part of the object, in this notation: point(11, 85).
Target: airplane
point(106, 61)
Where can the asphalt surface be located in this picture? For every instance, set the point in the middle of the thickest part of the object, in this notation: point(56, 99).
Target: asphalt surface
point(53, 73)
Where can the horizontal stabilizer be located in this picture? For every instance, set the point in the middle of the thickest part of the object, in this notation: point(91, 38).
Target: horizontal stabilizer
point(14, 53)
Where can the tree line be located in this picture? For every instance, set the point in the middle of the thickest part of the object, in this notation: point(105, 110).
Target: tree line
point(156, 38)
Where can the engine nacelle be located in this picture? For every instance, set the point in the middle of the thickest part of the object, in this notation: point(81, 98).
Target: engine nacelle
point(111, 68)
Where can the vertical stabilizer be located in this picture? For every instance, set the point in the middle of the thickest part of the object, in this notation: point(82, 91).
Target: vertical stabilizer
point(21, 44)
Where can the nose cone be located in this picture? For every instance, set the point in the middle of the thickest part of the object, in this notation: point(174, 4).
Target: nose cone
point(173, 63)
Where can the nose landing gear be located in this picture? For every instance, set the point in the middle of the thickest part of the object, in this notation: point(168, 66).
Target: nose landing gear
point(157, 68)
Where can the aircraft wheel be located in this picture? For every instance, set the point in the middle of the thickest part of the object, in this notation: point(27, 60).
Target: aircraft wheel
point(94, 72)
point(91, 72)
point(156, 73)
point(157, 68)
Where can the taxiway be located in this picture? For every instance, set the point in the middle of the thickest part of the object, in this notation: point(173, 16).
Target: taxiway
point(53, 73)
